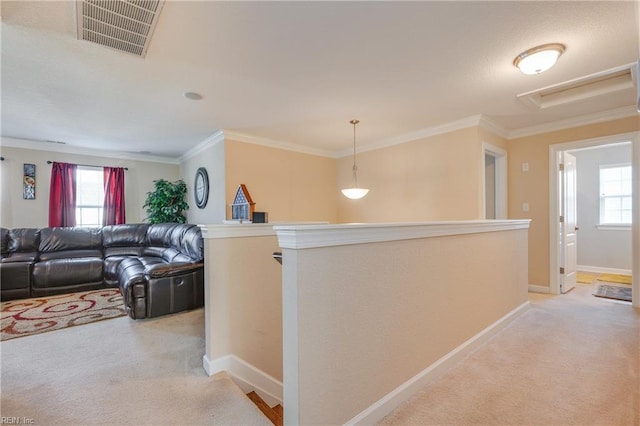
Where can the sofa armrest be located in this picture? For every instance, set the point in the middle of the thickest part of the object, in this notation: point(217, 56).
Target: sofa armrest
point(162, 270)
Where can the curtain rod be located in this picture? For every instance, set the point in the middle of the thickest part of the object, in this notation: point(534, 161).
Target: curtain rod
point(87, 165)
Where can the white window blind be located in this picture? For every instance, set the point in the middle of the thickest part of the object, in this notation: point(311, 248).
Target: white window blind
point(615, 194)
point(89, 196)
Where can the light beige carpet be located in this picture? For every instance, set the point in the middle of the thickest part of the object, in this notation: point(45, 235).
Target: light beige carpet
point(569, 360)
point(120, 372)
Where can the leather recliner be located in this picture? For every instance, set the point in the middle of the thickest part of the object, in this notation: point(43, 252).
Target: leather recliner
point(159, 269)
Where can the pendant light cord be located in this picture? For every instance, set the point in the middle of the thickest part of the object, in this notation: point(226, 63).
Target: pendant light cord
point(355, 168)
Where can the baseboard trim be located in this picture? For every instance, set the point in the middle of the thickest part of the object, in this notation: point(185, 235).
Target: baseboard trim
point(601, 270)
point(247, 377)
point(539, 289)
point(402, 393)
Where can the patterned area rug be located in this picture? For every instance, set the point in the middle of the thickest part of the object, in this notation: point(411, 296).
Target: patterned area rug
point(613, 292)
point(32, 316)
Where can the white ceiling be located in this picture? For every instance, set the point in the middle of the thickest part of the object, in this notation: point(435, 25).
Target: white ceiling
point(297, 72)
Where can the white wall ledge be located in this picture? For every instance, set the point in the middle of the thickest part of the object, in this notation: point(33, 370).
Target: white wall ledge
point(314, 236)
point(245, 230)
point(237, 230)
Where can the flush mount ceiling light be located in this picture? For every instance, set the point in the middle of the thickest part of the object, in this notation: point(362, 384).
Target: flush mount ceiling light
point(354, 192)
point(539, 59)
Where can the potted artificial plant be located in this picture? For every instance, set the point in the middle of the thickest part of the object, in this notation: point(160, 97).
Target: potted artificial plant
point(166, 204)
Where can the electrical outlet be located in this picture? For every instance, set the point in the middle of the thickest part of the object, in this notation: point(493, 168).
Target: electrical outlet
point(525, 207)
point(525, 167)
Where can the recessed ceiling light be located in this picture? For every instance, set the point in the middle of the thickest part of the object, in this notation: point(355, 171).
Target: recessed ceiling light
point(539, 59)
point(193, 96)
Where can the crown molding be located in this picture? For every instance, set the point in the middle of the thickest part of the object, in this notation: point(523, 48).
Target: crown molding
point(240, 137)
point(209, 142)
point(494, 127)
point(599, 117)
point(463, 123)
point(70, 149)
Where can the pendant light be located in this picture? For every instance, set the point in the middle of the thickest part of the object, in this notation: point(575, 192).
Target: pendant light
point(354, 193)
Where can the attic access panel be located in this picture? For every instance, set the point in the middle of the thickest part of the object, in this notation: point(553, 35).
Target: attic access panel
point(125, 25)
point(606, 82)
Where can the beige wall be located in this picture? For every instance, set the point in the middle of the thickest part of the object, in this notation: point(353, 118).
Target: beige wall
point(437, 178)
point(290, 186)
point(533, 186)
point(212, 159)
point(244, 302)
point(18, 213)
point(396, 297)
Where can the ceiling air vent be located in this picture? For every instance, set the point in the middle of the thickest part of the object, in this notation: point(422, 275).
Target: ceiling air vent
point(580, 89)
point(125, 25)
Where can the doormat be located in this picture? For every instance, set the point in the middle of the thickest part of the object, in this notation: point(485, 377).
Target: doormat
point(613, 292)
point(32, 316)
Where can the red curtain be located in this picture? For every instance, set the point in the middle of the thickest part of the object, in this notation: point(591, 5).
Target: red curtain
point(113, 213)
point(62, 195)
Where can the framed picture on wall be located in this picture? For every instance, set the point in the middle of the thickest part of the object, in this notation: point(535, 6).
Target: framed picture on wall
point(29, 182)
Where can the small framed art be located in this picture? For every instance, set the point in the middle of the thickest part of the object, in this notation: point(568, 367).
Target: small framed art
point(29, 182)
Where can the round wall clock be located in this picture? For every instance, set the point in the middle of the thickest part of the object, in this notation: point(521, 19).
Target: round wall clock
point(201, 187)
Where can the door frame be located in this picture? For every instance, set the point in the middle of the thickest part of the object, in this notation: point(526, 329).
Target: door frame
point(554, 208)
point(500, 156)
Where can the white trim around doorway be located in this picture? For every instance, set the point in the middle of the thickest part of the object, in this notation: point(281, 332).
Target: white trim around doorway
point(554, 213)
point(500, 156)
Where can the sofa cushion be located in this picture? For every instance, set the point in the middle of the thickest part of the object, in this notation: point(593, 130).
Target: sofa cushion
point(23, 240)
point(66, 272)
point(123, 251)
point(128, 235)
point(159, 234)
point(61, 239)
point(70, 254)
point(29, 257)
point(133, 286)
point(4, 242)
point(111, 264)
point(184, 241)
point(15, 276)
point(149, 261)
point(191, 243)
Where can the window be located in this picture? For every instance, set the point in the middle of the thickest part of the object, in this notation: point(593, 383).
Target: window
point(615, 194)
point(89, 196)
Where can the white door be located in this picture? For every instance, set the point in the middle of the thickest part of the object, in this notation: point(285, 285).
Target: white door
point(568, 222)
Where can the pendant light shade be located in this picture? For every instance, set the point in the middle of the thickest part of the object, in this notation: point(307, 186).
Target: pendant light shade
point(354, 192)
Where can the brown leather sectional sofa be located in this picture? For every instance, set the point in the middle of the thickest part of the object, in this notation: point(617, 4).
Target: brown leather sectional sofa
point(158, 268)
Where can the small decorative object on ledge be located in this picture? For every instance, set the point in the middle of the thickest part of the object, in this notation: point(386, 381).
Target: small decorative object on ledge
point(260, 217)
point(29, 182)
point(243, 205)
